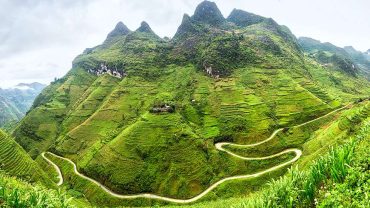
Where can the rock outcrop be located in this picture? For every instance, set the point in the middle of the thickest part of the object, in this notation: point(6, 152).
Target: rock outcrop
point(208, 12)
point(104, 69)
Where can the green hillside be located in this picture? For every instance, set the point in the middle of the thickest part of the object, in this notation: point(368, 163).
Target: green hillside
point(319, 136)
point(142, 114)
point(16, 162)
point(338, 178)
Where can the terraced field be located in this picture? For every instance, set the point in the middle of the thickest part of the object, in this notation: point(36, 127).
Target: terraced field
point(173, 154)
point(219, 146)
point(117, 132)
point(67, 169)
point(16, 162)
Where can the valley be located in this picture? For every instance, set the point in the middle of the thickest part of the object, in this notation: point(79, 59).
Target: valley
point(219, 146)
point(229, 111)
point(16, 101)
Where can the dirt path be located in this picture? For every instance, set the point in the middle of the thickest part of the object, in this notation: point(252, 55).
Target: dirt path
point(219, 146)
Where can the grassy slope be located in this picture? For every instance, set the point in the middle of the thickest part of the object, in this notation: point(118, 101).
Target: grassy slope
point(104, 124)
point(39, 129)
point(19, 193)
point(340, 190)
point(335, 128)
point(16, 162)
point(207, 116)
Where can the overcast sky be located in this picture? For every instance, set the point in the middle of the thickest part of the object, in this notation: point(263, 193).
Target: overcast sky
point(40, 38)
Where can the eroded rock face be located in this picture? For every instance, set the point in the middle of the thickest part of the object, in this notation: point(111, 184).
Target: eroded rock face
point(208, 12)
point(103, 69)
point(163, 109)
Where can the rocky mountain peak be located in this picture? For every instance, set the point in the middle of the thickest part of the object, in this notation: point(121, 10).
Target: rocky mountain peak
point(186, 27)
point(208, 12)
point(243, 19)
point(186, 19)
point(145, 28)
point(120, 30)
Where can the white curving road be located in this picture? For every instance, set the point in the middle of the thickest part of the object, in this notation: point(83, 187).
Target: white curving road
point(219, 146)
point(60, 176)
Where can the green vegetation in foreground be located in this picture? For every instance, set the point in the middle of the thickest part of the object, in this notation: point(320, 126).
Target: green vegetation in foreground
point(16, 193)
point(339, 178)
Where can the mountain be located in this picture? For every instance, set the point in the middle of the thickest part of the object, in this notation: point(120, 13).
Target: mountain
point(208, 13)
point(119, 30)
point(141, 114)
point(330, 55)
point(361, 59)
point(16, 101)
point(347, 59)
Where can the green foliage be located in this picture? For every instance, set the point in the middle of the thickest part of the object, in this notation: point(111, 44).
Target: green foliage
point(353, 189)
point(19, 194)
point(39, 129)
point(244, 19)
point(224, 54)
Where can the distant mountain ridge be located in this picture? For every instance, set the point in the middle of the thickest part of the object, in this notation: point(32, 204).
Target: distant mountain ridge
point(17, 100)
point(360, 58)
point(347, 59)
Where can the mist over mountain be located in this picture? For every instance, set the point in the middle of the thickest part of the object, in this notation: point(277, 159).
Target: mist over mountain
point(17, 100)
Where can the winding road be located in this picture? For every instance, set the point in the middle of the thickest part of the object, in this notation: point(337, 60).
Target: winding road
point(219, 146)
point(60, 176)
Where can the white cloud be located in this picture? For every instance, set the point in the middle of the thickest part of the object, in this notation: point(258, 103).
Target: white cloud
point(40, 38)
